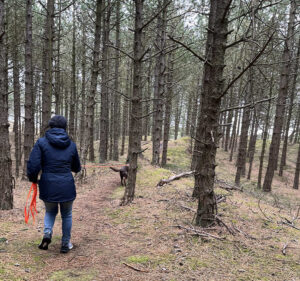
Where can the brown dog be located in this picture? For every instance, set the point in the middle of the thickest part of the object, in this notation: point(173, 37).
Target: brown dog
point(123, 174)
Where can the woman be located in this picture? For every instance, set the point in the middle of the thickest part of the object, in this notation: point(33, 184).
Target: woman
point(56, 155)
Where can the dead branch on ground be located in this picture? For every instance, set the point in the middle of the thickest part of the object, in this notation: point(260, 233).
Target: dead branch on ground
point(199, 232)
point(176, 177)
point(227, 186)
point(134, 268)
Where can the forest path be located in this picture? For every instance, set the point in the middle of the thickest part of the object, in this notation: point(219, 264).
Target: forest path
point(99, 246)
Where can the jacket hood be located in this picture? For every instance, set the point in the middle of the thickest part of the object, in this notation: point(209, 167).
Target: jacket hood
point(58, 121)
point(58, 137)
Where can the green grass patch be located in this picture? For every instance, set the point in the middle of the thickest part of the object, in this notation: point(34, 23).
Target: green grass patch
point(138, 259)
point(70, 275)
point(195, 263)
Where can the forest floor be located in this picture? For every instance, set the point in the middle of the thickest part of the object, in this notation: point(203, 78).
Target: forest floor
point(154, 238)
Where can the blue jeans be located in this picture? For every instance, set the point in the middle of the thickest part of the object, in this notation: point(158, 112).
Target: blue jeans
point(66, 215)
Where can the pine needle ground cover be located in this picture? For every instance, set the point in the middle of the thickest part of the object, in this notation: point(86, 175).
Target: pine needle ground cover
point(258, 237)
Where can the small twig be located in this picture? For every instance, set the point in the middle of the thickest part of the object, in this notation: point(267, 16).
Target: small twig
point(189, 49)
point(134, 268)
point(285, 246)
point(219, 221)
point(188, 208)
point(242, 232)
point(258, 203)
point(199, 233)
point(289, 224)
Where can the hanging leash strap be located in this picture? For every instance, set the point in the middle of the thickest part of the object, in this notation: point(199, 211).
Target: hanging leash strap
point(32, 206)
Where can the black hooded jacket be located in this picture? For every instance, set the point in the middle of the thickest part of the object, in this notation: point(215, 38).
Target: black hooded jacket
point(56, 155)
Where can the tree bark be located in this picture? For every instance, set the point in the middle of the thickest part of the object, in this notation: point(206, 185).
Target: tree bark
point(29, 96)
point(73, 80)
point(83, 90)
point(89, 134)
point(208, 136)
point(136, 108)
point(290, 111)
point(188, 115)
point(17, 106)
point(6, 185)
point(47, 66)
point(57, 85)
point(168, 109)
point(116, 128)
point(265, 137)
point(159, 84)
point(125, 113)
point(281, 101)
point(241, 160)
point(178, 103)
point(233, 134)
point(297, 171)
point(104, 114)
point(252, 145)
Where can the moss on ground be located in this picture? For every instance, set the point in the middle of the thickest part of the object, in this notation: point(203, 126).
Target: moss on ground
point(70, 275)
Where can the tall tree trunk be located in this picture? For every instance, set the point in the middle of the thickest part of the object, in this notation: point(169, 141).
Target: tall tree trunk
point(297, 171)
point(136, 108)
point(207, 136)
point(188, 115)
point(252, 145)
point(295, 136)
point(73, 81)
point(104, 119)
point(47, 66)
point(6, 185)
point(146, 125)
point(125, 113)
point(17, 107)
point(241, 160)
point(168, 109)
point(89, 134)
point(116, 128)
point(195, 110)
point(228, 121)
point(159, 83)
point(83, 91)
point(66, 97)
point(178, 104)
point(234, 134)
point(57, 86)
point(29, 96)
point(265, 137)
point(289, 116)
point(281, 100)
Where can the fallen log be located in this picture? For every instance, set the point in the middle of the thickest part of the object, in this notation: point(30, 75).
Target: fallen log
point(176, 177)
point(227, 186)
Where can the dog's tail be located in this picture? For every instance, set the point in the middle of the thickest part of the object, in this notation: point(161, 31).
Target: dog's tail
point(114, 169)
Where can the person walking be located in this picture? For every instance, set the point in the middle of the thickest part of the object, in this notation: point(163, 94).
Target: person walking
point(56, 156)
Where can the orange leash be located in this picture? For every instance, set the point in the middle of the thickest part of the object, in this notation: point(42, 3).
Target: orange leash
point(102, 166)
point(32, 206)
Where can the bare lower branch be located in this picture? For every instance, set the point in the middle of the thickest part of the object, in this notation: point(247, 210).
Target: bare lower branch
point(257, 8)
point(248, 66)
point(143, 116)
point(122, 51)
point(155, 15)
point(189, 49)
point(252, 104)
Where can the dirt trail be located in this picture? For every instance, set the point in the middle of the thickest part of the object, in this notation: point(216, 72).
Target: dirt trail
point(99, 247)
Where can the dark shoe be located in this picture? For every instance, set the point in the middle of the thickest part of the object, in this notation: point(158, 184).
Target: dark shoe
point(45, 242)
point(65, 248)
